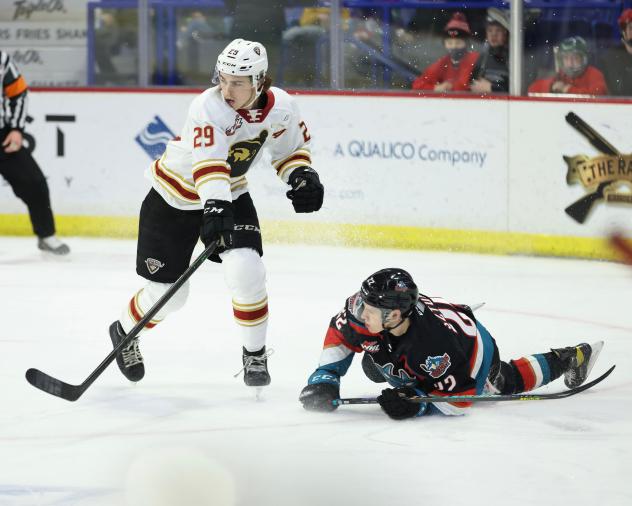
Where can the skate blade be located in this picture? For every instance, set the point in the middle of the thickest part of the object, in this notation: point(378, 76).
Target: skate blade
point(596, 350)
point(259, 394)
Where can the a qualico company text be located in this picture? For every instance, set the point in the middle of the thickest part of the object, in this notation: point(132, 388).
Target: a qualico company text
point(410, 151)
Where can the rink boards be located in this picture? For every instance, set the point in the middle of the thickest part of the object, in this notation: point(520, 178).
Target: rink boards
point(456, 173)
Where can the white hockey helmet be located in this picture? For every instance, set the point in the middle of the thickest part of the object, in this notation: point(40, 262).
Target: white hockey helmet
point(243, 58)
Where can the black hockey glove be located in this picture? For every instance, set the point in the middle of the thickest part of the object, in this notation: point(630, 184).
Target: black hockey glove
point(307, 192)
point(218, 222)
point(398, 407)
point(318, 397)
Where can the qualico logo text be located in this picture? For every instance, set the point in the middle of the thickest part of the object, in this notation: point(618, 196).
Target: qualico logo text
point(410, 151)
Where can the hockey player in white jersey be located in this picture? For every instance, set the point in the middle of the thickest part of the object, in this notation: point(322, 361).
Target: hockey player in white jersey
point(200, 190)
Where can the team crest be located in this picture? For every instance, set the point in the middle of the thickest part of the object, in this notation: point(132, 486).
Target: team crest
point(257, 50)
point(242, 154)
point(395, 376)
point(436, 366)
point(401, 286)
point(153, 265)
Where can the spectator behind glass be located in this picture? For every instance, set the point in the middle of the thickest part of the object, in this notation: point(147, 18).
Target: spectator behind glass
point(572, 73)
point(452, 72)
point(617, 61)
point(491, 71)
point(302, 41)
point(106, 43)
point(260, 21)
point(196, 29)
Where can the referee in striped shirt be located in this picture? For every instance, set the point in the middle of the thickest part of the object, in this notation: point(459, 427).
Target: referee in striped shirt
point(17, 165)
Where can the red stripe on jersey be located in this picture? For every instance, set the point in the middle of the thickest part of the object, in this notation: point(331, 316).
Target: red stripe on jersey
point(335, 338)
point(136, 313)
point(526, 371)
point(293, 158)
point(250, 315)
point(210, 169)
point(175, 184)
point(471, 391)
point(473, 357)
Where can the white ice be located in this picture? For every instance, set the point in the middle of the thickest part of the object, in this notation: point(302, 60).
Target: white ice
point(55, 317)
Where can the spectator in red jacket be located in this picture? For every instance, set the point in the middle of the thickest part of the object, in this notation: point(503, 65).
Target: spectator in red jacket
point(573, 74)
point(452, 72)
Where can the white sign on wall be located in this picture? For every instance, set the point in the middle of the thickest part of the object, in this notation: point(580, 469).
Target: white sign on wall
point(424, 162)
point(46, 39)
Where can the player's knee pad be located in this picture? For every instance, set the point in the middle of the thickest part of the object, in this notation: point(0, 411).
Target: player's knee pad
point(153, 291)
point(244, 272)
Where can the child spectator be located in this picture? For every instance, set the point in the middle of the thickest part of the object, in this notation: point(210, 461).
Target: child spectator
point(491, 71)
point(573, 74)
point(452, 72)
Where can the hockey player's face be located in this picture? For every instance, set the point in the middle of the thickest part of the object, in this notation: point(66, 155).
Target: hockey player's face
point(238, 91)
point(372, 318)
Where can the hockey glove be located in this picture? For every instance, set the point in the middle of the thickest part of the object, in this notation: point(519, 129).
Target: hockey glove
point(218, 222)
point(307, 192)
point(394, 403)
point(318, 397)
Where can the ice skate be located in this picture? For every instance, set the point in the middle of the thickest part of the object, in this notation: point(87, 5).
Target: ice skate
point(580, 360)
point(53, 246)
point(256, 369)
point(129, 359)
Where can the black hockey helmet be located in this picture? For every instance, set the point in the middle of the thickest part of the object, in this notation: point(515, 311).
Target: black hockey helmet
point(390, 289)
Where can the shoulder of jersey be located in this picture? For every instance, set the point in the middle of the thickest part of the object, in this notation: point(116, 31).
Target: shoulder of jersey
point(210, 104)
point(282, 99)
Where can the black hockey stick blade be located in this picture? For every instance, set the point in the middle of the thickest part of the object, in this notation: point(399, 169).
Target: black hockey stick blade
point(487, 398)
point(53, 386)
point(69, 392)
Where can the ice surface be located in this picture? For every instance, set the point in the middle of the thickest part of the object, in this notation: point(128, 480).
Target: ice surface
point(55, 317)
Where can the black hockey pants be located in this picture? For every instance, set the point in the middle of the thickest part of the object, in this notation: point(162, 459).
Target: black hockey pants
point(29, 184)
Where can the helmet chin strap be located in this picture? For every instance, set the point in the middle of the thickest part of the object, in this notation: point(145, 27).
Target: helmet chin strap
point(403, 319)
point(254, 98)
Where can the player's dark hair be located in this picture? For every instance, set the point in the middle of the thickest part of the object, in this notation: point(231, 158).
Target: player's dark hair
point(267, 82)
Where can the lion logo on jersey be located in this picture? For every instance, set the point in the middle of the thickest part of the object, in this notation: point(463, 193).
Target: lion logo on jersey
point(242, 154)
point(436, 366)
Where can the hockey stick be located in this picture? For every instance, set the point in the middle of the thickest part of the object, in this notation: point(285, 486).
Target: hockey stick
point(579, 210)
point(487, 398)
point(622, 246)
point(69, 392)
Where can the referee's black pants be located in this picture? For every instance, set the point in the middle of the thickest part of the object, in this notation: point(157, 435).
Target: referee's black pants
point(29, 184)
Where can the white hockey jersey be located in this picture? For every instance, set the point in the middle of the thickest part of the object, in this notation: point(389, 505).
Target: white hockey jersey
point(218, 145)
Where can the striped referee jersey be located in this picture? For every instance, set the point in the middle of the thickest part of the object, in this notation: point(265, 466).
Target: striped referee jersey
point(13, 102)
